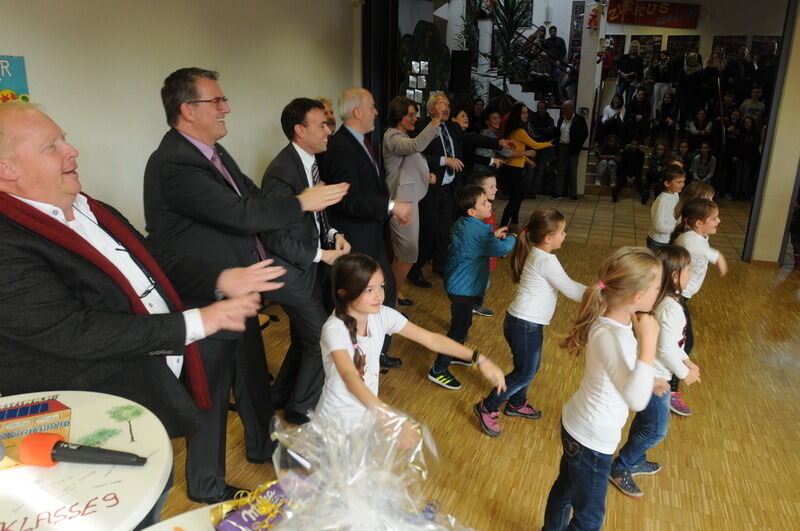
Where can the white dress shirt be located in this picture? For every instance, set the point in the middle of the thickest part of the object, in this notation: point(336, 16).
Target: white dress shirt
point(85, 225)
point(308, 160)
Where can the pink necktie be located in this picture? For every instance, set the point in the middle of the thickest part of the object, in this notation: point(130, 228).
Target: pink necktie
point(217, 162)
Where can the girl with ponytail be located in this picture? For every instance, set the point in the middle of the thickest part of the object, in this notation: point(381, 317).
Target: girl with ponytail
point(352, 338)
point(540, 277)
point(618, 376)
point(699, 219)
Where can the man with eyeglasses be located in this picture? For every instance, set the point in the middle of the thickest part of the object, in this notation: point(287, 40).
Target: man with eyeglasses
point(85, 305)
point(199, 204)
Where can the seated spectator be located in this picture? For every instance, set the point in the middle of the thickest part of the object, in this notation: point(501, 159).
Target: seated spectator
point(608, 157)
point(630, 171)
point(611, 122)
point(475, 115)
point(656, 163)
point(699, 130)
point(662, 77)
point(704, 164)
point(753, 107)
point(687, 155)
point(637, 117)
point(666, 117)
point(746, 160)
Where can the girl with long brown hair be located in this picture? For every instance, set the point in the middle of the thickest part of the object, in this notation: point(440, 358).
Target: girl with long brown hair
point(540, 277)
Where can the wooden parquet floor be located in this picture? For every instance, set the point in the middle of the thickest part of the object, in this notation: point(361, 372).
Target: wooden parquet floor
point(732, 465)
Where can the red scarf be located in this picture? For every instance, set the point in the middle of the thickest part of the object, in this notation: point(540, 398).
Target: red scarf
point(62, 235)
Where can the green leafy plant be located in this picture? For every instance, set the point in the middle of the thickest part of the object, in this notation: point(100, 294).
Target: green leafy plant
point(506, 57)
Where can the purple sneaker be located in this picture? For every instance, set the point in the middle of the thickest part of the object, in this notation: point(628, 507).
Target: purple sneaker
point(525, 410)
point(488, 420)
point(678, 406)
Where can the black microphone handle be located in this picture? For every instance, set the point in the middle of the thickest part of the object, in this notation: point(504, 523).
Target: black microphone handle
point(65, 452)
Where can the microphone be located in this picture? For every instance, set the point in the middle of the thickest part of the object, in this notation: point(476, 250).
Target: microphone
point(46, 449)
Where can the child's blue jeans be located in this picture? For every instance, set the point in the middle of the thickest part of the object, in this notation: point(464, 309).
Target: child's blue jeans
point(649, 427)
point(525, 339)
point(581, 486)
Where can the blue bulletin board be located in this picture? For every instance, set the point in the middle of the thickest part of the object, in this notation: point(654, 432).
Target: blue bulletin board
point(13, 80)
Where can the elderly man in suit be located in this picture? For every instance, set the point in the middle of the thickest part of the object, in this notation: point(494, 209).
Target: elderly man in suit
point(572, 132)
point(85, 304)
point(199, 204)
point(307, 248)
point(445, 156)
point(364, 213)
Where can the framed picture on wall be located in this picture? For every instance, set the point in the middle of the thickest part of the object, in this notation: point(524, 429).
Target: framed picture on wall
point(649, 45)
point(615, 43)
point(729, 43)
point(680, 45)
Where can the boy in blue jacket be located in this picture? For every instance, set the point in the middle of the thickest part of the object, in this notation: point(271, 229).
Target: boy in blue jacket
point(472, 242)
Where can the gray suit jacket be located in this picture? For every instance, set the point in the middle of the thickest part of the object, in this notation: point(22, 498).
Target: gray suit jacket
point(406, 169)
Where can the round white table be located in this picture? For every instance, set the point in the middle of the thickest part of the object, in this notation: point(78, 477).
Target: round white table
point(70, 496)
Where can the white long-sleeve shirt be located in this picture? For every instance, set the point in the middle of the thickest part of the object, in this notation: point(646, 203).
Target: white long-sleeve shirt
point(702, 253)
point(614, 381)
point(541, 280)
point(662, 215)
point(671, 339)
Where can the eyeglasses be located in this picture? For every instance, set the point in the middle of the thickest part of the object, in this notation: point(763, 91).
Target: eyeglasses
point(219, 100)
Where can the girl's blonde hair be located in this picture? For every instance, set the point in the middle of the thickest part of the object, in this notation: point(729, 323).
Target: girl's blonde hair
point(626, 272)
point(694, 210)
point(693, 190)
point(543, 222)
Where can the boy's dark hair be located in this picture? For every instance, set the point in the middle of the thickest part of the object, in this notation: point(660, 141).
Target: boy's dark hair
point(466, 197)
point(295, 114)
point(672, 172)
point(479, 176)
point(181, 87)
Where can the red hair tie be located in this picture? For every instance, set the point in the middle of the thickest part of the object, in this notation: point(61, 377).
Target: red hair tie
point(602, 285)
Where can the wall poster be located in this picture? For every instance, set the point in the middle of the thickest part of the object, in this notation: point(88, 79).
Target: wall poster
point(13, 79)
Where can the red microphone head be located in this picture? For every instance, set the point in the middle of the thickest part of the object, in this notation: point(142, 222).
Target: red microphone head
point(37, 449)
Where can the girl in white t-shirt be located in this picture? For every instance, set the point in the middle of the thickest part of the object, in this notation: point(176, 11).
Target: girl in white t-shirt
point(540, 277)
point(699, 219)
point(352, 337)
point(618, 376)
point(650, 425)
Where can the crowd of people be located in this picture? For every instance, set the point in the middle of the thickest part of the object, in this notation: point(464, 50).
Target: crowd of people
point(332, 235)
point(713, 114)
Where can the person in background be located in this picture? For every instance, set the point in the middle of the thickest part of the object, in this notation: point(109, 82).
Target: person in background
point(609, 157)
point(612, 120)
point(478, 106)
point(630, 171)
point(630, 70)
point(704, 164)
point(665, 119)
point(572, 133)
point(330, 116)
point(637, 117)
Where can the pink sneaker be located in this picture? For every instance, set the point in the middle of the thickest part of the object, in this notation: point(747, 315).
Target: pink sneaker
point(488, 420)
point(678, 406)
point(525, 410)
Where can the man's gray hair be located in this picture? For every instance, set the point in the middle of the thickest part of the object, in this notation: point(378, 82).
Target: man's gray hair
point(434, 98)
point(348, 101)
point(6, 110)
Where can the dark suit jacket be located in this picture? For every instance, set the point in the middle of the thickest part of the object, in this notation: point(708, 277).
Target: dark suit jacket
point(67, 326)
point(464, 145)
point(363, 213)
point(293, 246)
point(191, 209)
point(577, 133)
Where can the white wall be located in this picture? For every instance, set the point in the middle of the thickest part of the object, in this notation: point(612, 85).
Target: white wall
point(97, 67)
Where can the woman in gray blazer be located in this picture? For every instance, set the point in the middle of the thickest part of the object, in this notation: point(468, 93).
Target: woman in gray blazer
point(407, 178)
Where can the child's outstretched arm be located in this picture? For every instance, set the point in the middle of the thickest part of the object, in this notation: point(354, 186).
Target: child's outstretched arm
point(445, 345)
point(352, 380)
point(722, 265)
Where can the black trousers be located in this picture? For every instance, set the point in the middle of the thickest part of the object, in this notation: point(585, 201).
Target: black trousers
point(436, 216)
point(622, 182)
point(238, 364)
point(689, 344)
point(514, 187)
point(460, 323)
point(299, 381)
point(567, 181)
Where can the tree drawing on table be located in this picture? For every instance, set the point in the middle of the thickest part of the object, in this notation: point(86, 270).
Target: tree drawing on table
point(126, 414)
point(99, 437)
